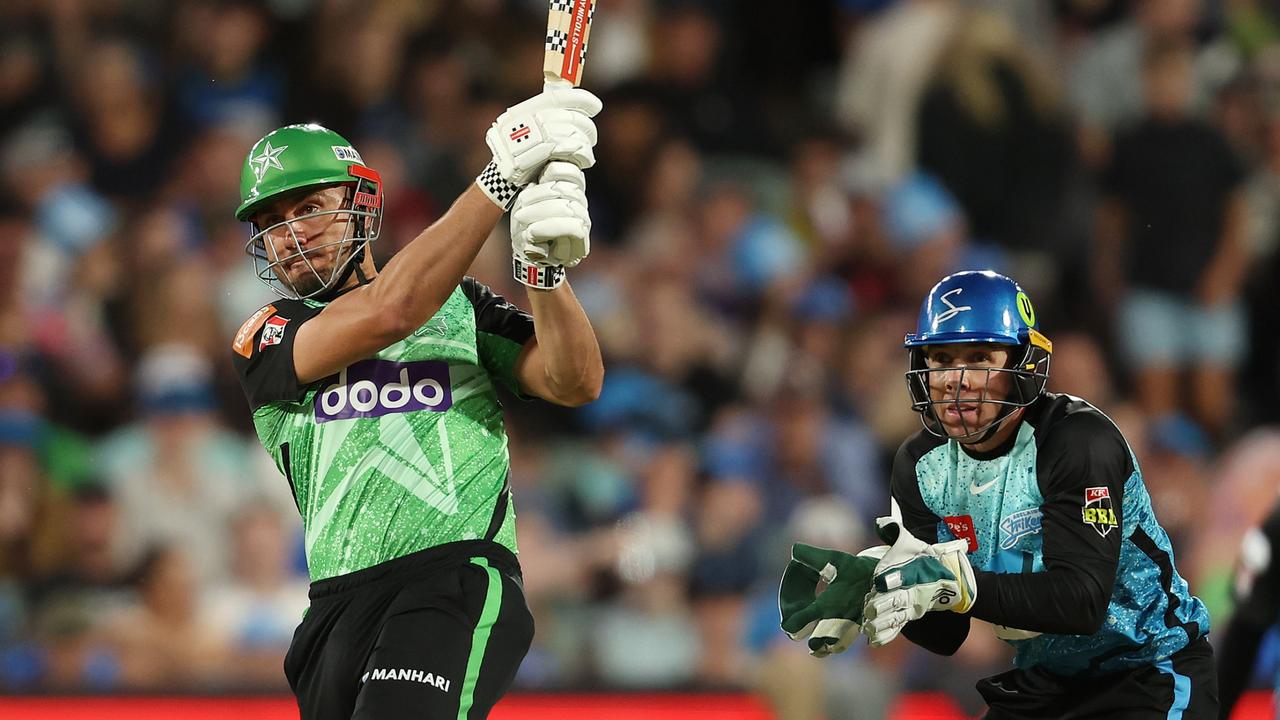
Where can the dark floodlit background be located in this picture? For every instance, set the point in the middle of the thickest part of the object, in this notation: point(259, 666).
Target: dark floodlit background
point(778, 185)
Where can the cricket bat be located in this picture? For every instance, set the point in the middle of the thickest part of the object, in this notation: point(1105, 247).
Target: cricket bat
point(568, 27)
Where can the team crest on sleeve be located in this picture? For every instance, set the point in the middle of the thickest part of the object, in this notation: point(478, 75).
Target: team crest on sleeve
point(243, 342)
point(272, 332)
point(1097, 510)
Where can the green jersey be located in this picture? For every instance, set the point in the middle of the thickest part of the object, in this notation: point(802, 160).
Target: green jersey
point(398, 452)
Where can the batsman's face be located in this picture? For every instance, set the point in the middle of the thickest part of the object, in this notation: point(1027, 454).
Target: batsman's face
point(962, 384)
point(304, 237)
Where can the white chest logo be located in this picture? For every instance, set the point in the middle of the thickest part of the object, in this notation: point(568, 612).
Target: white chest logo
point(976, 489)
point(952, 310)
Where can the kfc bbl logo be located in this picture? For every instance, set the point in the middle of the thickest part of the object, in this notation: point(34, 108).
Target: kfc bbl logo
point(1097, 510)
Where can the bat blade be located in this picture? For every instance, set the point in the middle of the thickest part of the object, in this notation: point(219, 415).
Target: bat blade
point(568, 28)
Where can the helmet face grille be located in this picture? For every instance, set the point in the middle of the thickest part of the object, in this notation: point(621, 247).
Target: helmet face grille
point(1028, 380)
point(363, 220)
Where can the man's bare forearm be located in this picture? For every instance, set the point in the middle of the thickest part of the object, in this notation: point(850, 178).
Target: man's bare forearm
point(567, 343)
point(418, 280)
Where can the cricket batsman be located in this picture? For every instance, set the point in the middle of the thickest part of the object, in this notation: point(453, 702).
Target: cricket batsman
point(374, 391)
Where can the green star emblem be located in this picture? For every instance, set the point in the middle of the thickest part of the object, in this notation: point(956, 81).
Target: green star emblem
point(268, 158)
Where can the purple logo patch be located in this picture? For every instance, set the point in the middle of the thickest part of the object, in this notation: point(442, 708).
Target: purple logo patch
point(373, 388)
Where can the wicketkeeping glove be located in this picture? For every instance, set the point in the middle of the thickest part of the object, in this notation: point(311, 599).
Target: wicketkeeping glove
point(830, 620)
point(553, 125)
point(914, 578)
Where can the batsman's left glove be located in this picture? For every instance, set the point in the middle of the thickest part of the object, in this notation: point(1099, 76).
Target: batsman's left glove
point(553, 125)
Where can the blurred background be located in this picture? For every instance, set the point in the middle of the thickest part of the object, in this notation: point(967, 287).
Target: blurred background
point(776, 191)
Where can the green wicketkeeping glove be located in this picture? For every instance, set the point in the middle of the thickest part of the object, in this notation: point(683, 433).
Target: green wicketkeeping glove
point(829, 620)
point(915, 578)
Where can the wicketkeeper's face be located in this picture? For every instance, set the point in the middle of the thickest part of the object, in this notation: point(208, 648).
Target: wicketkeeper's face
point(304, 236)
point(966, 383)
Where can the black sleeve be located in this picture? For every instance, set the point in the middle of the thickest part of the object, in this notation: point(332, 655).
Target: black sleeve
point(938, 632)
point(502, 329)
point(495, 315)
point(1082, 467)
point(1257, 609)
point(262, 353)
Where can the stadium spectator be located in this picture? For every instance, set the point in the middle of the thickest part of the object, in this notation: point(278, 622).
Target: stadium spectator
point(164, 639)
point(259, 607)
point(1171, 250)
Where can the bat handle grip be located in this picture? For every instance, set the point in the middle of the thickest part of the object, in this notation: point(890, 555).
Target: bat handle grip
point(552, 82)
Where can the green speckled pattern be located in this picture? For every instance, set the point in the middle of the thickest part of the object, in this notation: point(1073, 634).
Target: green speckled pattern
point(371, 489)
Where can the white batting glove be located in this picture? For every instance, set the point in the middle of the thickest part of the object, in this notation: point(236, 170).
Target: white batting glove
point(550, 223)
point(915, 578)
point(550, 226)
point(553, 125)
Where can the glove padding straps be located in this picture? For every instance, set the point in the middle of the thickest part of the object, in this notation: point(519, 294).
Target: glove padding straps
point(502, 193)
point(539, 277)
point(550, 221)
point(914, 578)
point(830, 621)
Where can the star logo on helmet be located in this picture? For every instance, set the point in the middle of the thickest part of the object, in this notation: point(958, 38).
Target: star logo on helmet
point(268, 158)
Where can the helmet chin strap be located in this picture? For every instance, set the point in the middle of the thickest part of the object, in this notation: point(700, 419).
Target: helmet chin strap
point(361, 278)
point(357, 259)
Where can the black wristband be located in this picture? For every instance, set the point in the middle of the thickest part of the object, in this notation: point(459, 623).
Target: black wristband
point(501, 192)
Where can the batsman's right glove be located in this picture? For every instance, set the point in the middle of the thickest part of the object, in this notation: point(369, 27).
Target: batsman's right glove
point(550, 227)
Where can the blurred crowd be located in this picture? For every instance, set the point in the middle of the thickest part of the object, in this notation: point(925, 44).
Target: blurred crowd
point(775, 193)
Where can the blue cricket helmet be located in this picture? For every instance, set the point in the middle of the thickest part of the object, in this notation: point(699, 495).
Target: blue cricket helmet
point(979, 306)
point(974, 306)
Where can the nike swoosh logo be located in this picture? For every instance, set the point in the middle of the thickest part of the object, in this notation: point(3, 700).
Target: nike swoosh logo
point(975, 489)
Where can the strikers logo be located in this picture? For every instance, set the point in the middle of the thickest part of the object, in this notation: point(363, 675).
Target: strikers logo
point(1097, 510)
point(272, 332)
point(1020, 525)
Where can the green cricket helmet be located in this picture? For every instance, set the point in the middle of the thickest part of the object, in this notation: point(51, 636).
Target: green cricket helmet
point(289, 161)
